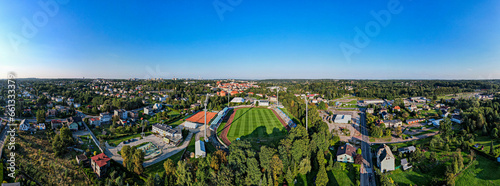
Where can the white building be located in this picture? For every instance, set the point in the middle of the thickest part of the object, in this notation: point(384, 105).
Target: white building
point(166, 131)
point(147, 111)
point(24, 126)
point(199, 149)
point(157, 106)
point(105, 117)
point(264, 103)
point(342, 118)
point(385, 159)
point(238, 100)
point(346, 153)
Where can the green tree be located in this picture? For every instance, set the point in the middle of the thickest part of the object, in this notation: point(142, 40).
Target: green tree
point(253, 172)
point(169, 172)
point(494, 133)
point(40, 116)
point(322, 177)
point(184, 176)
point(265, 156)
point(358, 151)
point(492, 148)
point(225, 177)
point(289, 177)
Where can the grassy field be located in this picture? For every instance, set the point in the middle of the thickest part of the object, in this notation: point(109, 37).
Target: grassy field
point(255, 123)
point(482, 172)
point(486, 142)
point(343, 177)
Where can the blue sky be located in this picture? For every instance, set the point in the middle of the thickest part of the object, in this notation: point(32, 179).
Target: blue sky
point(252, 39)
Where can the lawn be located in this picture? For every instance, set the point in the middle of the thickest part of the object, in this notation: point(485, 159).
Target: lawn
point(486, 142)
point(258, 123)
point(158, 167)
point(482, 172)
point(88, 143)
point(343, 177)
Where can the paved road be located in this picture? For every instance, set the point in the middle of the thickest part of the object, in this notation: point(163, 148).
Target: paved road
point(367, 168)
point(3, 136)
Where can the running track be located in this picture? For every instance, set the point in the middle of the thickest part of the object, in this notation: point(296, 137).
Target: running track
point(223, 135)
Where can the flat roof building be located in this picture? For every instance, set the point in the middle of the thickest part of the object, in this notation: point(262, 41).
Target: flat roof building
point(200, 149)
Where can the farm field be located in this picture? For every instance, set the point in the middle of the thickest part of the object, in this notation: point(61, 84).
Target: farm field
point(258, 123)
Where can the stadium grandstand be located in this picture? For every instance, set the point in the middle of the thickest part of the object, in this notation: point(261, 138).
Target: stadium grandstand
point(285, 118)
point(218, 120)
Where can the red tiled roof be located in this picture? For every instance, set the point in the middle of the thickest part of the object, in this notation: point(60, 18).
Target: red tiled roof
point(100, 159)
point(200, 117)
point(94, 119)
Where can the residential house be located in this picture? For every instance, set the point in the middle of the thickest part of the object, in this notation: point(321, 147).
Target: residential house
point(393, 123)
point(74, 123)
point(412, 107)
point(51, 113)
point(76, 105)
point(56, 123)
point(412, 121)
point(122, 113)
point(41, 126)
point(370, 110)
point(147, 111)
point(405, 164)
point(134, 114)
point(24, 126)
point(385, 158)
point(426, 107)
point(95, 121)
point(409, 149)
point(397, 108)
point(100, 164)
point(457, 118)
point(346, 153)
point(105, 118)
point(435, 122)
point(193, 106)
point(157, 106)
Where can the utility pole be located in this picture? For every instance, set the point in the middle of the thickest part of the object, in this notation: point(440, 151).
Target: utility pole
point(206, 102)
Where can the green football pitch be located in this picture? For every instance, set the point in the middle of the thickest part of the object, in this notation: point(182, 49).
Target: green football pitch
point(255, 123)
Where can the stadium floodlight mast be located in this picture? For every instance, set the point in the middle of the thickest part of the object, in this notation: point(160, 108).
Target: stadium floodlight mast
point(306, 109)
point(278, 96)
point(206, 102)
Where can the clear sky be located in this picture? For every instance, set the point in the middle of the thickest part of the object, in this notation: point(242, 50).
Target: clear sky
point(251, 39)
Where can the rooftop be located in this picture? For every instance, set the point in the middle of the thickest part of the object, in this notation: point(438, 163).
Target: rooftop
point(100, 159)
